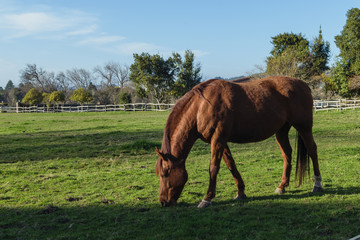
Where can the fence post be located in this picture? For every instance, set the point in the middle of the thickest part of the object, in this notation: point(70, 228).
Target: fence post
point(353, 104)
point(340, 104)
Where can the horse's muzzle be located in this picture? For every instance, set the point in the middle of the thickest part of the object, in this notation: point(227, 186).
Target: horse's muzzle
point(165, 204)
point(168, 204)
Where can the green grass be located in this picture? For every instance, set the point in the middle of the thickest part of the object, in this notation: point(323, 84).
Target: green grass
point(91, 176)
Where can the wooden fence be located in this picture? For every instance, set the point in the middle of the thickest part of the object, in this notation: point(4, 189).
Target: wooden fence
point(319, 105)
point(338, 105)
point(89, 108)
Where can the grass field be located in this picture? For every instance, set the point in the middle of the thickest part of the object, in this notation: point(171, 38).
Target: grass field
point(91, 176)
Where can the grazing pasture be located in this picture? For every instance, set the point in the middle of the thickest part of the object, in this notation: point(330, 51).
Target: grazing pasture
point(92, 176)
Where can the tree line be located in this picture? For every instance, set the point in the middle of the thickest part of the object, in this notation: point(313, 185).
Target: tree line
point(293, 55)
point(153, 78)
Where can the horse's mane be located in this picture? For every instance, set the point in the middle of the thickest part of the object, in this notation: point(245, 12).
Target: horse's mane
point(241, 80)
point(175, 117)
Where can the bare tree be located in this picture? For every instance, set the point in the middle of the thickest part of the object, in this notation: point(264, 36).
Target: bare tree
point(112, 74)
point(62, 81)
point(121, 74)
point(259, 71)
point(106, 74)
point(38, 78)
point(79, 77)
point(14, 95)
point(63, 84)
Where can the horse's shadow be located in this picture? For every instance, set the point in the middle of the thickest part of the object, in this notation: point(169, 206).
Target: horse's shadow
point(291, 194)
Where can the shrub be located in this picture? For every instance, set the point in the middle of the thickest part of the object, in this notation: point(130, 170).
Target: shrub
point(124, 97)
point(33, 97)
point(81, 95)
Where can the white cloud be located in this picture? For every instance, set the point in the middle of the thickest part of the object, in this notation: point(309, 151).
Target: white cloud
point(200, 53)
point(197, 53)
point(137, 47)
point(101, 40)
point(16, 24)
point(83, 31)
point(33, 22)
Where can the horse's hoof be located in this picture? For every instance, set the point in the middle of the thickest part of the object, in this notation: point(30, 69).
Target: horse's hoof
point(317, 189)
point(239, 197)
point(279, 191)
point(204, 204)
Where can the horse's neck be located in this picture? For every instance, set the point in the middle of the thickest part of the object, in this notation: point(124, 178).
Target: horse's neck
point(181, 143)
point(180, 130)
point(180, 137)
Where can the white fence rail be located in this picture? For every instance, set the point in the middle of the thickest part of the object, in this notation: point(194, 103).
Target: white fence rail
point(338, 105)
point(319, 105)
point(90, 108)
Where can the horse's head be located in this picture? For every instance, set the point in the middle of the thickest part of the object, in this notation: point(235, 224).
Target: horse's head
point(173, 177)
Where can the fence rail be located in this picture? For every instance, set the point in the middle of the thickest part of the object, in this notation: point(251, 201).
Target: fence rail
point(338, 105)
point(89, 108)
point(319, 105)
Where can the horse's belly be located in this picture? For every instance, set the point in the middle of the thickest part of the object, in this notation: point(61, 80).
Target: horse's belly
point(255, 130)
point(253, 136)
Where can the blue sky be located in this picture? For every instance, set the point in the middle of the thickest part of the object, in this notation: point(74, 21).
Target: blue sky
point(228, 37)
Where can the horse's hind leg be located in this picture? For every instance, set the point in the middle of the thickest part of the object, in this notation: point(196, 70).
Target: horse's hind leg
point(311, 148)
point(230, 163)
point(282, 137)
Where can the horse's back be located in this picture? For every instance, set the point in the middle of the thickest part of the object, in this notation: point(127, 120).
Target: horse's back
point(254, 110)
point(257, 93)
point(290, 92)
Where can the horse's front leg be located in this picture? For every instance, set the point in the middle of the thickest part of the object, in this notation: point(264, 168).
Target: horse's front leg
point(217, 149)
point(230, 163)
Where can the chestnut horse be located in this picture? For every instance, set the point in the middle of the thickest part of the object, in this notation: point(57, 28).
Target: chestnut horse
point(242, 111)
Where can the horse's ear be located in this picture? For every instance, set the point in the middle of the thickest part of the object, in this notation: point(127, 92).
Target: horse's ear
point(161, 155)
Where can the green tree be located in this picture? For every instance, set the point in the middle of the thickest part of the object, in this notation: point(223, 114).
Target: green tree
point(347, 68)
point(9, 85)
point(289, 63)
point(81, 95)
point(2, 94)
point(187, 73)
point(290, 56)
point(349, 41)
point(33, 97)
point(285, 41)
point(320, 52)
point(152, 75)
point(340, 78)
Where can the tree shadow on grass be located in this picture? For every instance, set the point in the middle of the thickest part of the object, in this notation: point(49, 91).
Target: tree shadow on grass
point(224, 220)
point(83, 143)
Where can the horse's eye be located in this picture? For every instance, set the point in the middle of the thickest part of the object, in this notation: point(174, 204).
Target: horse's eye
point(166, 172)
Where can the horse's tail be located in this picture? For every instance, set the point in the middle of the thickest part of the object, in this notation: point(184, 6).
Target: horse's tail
point(302, 160)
